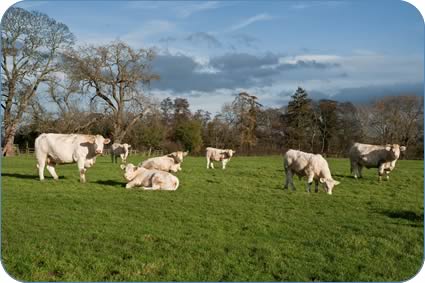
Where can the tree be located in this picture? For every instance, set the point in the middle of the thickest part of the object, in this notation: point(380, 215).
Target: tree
point(298, 119)
point(114, 74)
point(31, 43)
point(189, 134)
point(246, 108)
point(327, 122)
point(167, 110)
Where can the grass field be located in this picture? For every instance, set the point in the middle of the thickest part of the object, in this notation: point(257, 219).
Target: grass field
point(232, 225)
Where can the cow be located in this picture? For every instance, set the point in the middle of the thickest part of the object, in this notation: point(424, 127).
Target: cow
point(52, 149)
point(169, 163)
point(383, 157)
point(313, 166)
point(216, 154)
point(149, 179)
point(120, 150)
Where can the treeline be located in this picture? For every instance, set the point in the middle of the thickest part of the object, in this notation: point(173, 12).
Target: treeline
point(325, 126)
point(51, 85)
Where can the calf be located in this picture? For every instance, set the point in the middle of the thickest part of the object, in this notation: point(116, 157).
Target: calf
point(314, 166)
point(149, 179)
point(52, 149)
point(216, 154)
point(120, 150)
point(169, 163)
point(374, 156)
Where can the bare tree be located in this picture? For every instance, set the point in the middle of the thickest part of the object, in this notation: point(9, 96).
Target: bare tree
point(31, 42)
point(114, 74)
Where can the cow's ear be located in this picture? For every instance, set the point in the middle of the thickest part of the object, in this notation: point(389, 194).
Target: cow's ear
point(403, 148)
point(185, 153)
point(336, 183)
point(388, 147)
point(106, 141)
point(122, 166)
point(129, 146)
point(322, 180)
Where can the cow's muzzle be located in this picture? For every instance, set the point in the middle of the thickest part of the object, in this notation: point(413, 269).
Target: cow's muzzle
point(98, 151)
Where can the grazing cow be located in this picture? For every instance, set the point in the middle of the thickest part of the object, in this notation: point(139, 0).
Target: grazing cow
point(52, 149)
point(314, 166)
point(169, 163)
point(216, 154)
point(120, 150)
point(374, 156)
point(149, 179)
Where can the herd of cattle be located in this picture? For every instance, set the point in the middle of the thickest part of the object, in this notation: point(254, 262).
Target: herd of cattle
point(154, 173)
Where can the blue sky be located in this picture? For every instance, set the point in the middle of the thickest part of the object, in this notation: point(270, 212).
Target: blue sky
point(210, 50)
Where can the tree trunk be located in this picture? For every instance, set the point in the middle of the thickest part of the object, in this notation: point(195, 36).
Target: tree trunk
point(9, 139)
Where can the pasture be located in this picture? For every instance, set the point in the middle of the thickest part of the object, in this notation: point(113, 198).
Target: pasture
point(232, 225)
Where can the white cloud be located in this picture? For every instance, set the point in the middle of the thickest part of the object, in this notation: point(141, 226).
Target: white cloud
point(148, 29)
point(251, 20)
point(185, 10)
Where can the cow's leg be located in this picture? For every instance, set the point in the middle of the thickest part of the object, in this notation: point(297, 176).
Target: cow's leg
point(354, 169)
point(316, 186)
point(82, 170)
point(309, 182)
point(208, 163)
point(381, 171)
point(112, 157)
point(41, 163)
point(52, 171)
point(212, 164)
point(387, 173)
point(224, 161)
point(289, 180)
point(359, 170)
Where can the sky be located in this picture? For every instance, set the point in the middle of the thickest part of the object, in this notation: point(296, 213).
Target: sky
point(208, 51)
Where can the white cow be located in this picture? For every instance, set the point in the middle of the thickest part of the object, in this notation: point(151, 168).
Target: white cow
point(120, 150)
point(149, 179)
point(216, 154)
point(52, 149)
point(374, 156)
point(314, 166)
point(169, 163)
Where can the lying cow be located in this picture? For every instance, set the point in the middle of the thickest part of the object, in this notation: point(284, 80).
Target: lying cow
point(314, 166)
point(216, 154)
point(149, 179)
point(374, 156)
point(52, 149)
point(120, 150)
point(169, 163)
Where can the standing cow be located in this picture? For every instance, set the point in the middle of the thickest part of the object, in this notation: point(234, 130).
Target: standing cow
point(216, 154)
point(374, 156)
point(120, 150)
point(314, 166)
point(52, 149)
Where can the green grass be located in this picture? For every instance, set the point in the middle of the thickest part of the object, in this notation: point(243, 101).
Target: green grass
point(232, 225)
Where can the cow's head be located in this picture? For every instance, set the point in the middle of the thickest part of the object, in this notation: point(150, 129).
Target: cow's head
point(394, 150)
point(98, 141)
point(129, 171)
point(329, 184)
point(178, 156)
point(230, 152)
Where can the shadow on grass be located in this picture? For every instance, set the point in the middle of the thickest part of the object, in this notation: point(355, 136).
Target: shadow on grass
point(110, 183)
point(343, 176)
point(404, 214)
point(23, 176)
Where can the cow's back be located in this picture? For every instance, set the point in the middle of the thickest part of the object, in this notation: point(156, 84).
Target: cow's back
point(59, 147)
point(296, 160)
